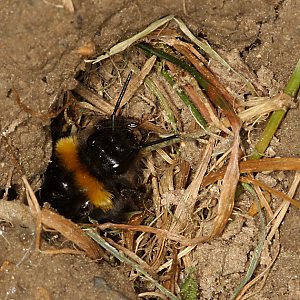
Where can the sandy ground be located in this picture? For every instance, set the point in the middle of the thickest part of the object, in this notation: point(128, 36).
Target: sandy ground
point(37, 58)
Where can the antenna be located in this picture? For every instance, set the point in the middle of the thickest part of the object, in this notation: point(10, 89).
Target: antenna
point(113, 116)
point(160, 141)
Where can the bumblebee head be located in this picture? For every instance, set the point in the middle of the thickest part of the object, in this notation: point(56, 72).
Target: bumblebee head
point(113, 149)
point(114, 145)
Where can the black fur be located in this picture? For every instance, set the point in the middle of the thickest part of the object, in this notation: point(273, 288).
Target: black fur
point(111, 157)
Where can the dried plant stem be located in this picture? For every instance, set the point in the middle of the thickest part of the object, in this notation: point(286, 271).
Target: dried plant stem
point(94, 99)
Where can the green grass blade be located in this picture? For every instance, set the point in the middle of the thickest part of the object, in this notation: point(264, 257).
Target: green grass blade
point(121, 256)
point(291, 90)
point(185, 99)
point(258, 249)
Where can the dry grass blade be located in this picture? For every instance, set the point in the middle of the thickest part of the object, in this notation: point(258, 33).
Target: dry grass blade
point(206, 47)
point(271, 190)
point(262, 199)
point(127, 43)
point(264, 274)
point(207, 75)
point(197, 99)
point(55, 221)
point(160, 232)
point(250, 166)
point(68, 4)
point(32, 201)
point(88, 106)
point(284, 207)
point(182, 178)
point(70, 231)
point(35, 211)
point(263, 106)
point(231, 178)
point(204, 106)
point(232, 174)
point(187, 203)
point(137, 80)
point(175, 41)
point(94, 99)
point(273, 231)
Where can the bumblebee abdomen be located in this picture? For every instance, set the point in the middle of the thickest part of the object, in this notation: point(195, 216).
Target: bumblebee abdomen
point(60, 191)
point(68, 155)
point(69, 187)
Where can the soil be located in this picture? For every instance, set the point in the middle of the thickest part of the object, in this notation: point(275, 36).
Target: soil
point(38, 63)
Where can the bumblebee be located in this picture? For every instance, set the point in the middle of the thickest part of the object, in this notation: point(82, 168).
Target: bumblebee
point(94, 175)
